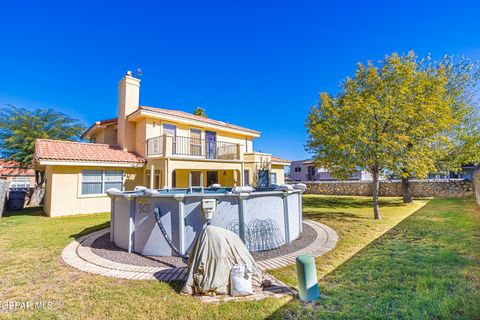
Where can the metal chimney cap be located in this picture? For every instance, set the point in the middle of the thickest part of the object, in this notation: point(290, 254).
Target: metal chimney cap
point(129, 73)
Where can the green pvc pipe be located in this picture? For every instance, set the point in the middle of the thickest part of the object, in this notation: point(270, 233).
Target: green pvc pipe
point(307, 278)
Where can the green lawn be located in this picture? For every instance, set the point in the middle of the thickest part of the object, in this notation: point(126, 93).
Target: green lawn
point(427, 266)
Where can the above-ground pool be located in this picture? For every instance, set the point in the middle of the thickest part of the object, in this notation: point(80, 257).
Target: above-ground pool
point(264, 220)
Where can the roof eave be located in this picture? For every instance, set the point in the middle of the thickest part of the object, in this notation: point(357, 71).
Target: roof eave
point(85, 163)
point(140, 113)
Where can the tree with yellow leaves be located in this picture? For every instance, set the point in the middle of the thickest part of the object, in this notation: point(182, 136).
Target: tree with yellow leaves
point(397, 118)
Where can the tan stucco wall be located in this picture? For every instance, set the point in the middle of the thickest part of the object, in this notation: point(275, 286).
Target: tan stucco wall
point(140, 138)
point(107, 135)
point(63, 190)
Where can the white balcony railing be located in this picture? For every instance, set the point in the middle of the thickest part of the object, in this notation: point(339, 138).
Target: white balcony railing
point(167, 145)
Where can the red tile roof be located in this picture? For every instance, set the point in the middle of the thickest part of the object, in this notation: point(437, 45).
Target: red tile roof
point(277, 159)
point(191, 116)
point(46, 149)
point(13, 168)
point(108, 121)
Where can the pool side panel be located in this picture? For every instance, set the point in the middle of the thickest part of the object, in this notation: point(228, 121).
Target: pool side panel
point(121, 222)
point(293, 215)
point(183, 219)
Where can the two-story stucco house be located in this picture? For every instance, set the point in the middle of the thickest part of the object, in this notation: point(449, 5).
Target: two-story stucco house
point(152, 147)
point(306, 170)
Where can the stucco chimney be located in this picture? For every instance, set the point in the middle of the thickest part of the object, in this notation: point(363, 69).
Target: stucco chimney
point(128, 102)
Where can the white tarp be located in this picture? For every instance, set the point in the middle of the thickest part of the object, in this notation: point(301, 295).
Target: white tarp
point(215, 252)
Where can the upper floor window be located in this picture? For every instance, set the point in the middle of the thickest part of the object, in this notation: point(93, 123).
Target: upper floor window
point(169, 129)
point(298, 169)
point(99, 181)
point(195, 142)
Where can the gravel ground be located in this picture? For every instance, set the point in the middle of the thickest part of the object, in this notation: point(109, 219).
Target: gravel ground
point(308, 236)
point(108, 250)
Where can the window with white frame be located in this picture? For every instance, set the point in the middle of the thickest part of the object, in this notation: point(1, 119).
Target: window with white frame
point(157, 177)
point(99, 181)
point(195, 142)
point(273, 178)
point(20, 183)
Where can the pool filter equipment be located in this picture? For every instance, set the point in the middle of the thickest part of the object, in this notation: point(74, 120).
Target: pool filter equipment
point(209, 206)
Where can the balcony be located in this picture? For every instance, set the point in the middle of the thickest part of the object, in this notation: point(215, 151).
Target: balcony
point(168, 145)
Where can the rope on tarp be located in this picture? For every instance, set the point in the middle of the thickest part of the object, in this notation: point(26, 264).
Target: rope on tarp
point(156, 212)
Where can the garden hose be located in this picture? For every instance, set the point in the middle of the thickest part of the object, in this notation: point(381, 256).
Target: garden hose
point(156, 212)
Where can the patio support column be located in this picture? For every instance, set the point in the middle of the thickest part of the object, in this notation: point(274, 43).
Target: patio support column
point(285, 217)
point(242, 174)
point(152, 175)
point(168, 174)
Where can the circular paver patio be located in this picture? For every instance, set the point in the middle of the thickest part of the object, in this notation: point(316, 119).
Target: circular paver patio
point(79, 254)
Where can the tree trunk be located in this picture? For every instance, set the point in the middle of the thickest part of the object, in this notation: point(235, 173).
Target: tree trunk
point(375, 187)
point(39, 191)
point(407, 197)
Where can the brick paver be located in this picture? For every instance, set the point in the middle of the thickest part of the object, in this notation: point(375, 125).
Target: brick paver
point(78, 254)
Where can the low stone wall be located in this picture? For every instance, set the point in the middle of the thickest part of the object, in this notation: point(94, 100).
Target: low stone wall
point(476, 182)
point(418, 188)
point(3, 195)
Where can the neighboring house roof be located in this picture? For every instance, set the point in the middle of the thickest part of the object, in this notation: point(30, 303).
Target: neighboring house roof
point(59, 150)
point(191, 116)
point(14, 168)
point(277, 159)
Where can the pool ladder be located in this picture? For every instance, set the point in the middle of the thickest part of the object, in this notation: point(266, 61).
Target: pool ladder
point(196, 189)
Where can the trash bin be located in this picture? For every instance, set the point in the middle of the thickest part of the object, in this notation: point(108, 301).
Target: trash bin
point(16, 200)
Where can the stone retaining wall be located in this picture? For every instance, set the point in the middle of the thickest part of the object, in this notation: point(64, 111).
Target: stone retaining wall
point(419, 188)
point(3, 195)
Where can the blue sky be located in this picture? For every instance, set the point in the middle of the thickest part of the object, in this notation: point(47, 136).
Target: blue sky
point(259, 64)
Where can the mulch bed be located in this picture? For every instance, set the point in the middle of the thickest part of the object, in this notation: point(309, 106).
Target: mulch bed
point(108, 250)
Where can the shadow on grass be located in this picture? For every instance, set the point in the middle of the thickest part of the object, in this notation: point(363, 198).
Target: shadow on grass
point(415, 246)
point(346, 202)
point(31, 211)
point(90, 229)
point(176, 285)
point(335, 215)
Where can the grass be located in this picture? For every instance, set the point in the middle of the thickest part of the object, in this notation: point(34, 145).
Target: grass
point(426, 266)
